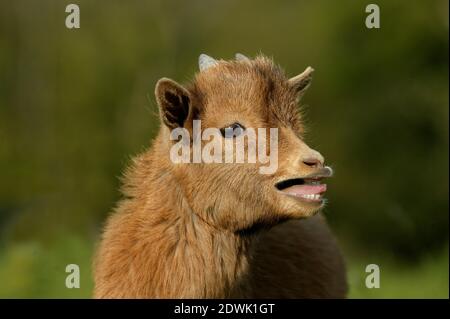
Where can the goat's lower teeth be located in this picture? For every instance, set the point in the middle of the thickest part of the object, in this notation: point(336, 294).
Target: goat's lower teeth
point(312, 196)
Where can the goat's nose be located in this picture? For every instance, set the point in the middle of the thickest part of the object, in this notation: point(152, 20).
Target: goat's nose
point(313, 162)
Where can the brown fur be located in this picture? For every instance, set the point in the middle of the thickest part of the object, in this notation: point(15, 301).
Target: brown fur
point(220, 230)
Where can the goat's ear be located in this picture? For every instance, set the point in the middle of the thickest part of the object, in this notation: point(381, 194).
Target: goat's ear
point(173, 101)
point(302, 81)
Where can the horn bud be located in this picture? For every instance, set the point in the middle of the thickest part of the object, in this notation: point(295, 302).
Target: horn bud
point(241, 57)
point(205, 62)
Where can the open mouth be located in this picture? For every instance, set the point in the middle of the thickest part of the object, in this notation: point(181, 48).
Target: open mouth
point(308, 188)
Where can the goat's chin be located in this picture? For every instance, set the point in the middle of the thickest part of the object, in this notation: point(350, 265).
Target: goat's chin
point(294, 208)
point(277, 216)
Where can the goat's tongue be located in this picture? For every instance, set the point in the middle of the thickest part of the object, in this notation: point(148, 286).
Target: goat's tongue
point(306, 189)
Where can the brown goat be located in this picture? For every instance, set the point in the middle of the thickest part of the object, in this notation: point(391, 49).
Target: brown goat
point(220, 230)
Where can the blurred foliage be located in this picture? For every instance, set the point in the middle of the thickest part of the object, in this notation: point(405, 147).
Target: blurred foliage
point(427, 278)
point(35, 270)
point(76, 104)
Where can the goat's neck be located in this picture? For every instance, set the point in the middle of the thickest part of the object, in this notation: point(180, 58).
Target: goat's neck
point(204, 261)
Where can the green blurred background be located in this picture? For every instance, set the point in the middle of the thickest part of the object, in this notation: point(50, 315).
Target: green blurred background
point(76, 104)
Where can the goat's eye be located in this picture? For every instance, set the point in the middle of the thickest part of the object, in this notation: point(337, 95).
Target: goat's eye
point(233, 130)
